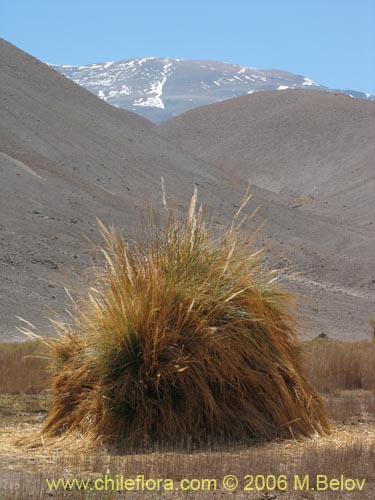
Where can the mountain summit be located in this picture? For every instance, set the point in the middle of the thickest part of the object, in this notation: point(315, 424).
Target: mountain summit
point(159, 89)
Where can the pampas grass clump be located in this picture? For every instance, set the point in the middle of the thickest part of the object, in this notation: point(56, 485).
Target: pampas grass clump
point(183, 338)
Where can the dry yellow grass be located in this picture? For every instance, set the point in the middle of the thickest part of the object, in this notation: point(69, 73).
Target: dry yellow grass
point(182, 339)
point(343, 371)
point(335, 365)
point(348, 450)
point(23, 368)
point(330, 365)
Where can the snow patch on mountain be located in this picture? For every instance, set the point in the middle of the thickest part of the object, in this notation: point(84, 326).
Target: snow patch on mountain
point(155, 92)
point(309, 82)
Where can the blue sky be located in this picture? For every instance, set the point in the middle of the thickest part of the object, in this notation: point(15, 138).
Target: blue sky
point(332, 42)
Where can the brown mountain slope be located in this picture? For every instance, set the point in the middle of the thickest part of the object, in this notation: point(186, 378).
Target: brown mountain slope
point(315, 147)
point(66, 158)
point(316, 153)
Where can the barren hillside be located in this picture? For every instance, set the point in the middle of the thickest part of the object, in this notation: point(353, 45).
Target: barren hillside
point(66, 157)
point(314, 153)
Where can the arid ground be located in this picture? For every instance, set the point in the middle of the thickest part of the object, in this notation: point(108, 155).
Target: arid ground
point(341, 371)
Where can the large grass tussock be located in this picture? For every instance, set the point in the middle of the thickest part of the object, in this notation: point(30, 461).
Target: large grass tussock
point(182, 338)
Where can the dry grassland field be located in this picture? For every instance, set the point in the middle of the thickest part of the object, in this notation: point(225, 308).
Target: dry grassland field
point(340, 371)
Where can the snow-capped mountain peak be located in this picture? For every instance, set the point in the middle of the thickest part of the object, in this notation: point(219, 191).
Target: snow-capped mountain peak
point(160, 88)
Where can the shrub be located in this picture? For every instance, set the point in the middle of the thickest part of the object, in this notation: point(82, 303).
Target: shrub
point(183, 338)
